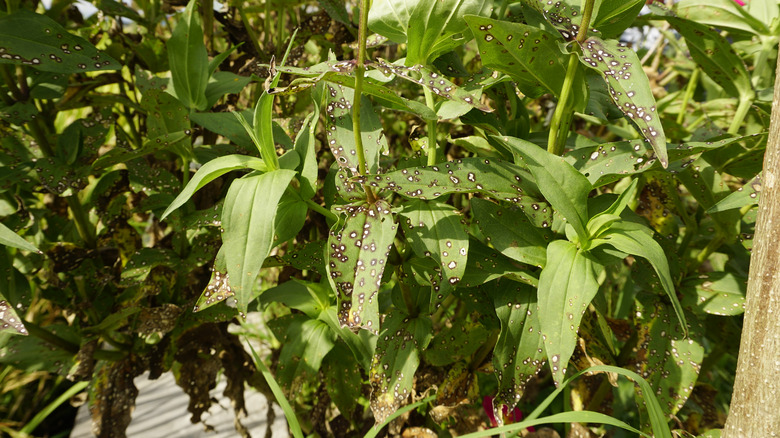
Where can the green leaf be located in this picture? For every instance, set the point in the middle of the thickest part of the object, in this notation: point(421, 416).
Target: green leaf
point(519, 352)
point(529, 55)
point(435, 82)
point(305, 147)
point(487, 264)
point(716, 293)
point(427, 26)
point(615, 16)
point(220, 58)
point(601, 221)
point(189, 60)
point(32, 39)
point(567, 285)
point(357, 252)
point(342, 378)
point(455, 343)
point(396, 359)
point(606, 163)
point(31, 353)
point(223, 83)
point(716, 57)
point(290, 217)
point(310, 298)
point(304, 344)
point(495, 178)
point(435, 230)
point(211, 171)
point(629, 87)
point(636, 239)
point(341, 137)
point(361, 344)
point(248, 220)
point(746, 195)
point(225, 124)
point(9, 238)
point(562, 185)
point(722, 14)
point(669, 358)
point(166, 117)
point(510, 232)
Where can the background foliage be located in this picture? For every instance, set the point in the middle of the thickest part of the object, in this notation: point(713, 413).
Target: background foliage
point(492, 204)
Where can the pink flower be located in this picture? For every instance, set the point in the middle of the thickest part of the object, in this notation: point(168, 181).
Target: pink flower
point(487, 405)
point(739, 2)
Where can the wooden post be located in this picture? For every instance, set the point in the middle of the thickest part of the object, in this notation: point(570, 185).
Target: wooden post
point(755, 404)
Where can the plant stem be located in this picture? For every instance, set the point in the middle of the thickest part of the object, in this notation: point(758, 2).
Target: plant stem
point(8, 78)
point(431, 126)
point(561, 121)
point(40, 416)
point(360, 71)
point(51, 338)
point(587, 13)
point(321, 210)
point(689, 89)
point(744, 106)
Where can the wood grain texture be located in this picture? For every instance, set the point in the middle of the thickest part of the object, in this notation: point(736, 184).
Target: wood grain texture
point(756, 398)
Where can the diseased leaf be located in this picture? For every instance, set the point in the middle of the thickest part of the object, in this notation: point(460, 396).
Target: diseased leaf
point(519, 354)
point(528, 54)
point(27, 38)
point(455, 343)
point(219, 288)
point(435, 230)
point(567, 285)
point(485, 264)
point(13, 240)
point(746, 195)
point(628, 86)
point(31, 353)
point(343, 380)
point(248, 220)
point(357, 251)
point(341, 137)
point(510, 232)
point(667, 357)
point(714, 54)
point(189, 60)
point(9, 319)
point(609, 162)
point(395, 361)
point(495, 178)
point(716, 293)
point(435, 82)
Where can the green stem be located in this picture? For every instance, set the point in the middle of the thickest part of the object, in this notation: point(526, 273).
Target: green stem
point(431, 127)
point(10, 82)
point(483, 351)
point(689, 89)
point(83, 225)
point(739, 116)
point(250, 32)
point(40, 416)
point(708, 250)
point(207, 11)
point(321, 210)
point(51, 338)
point(561, 121)
point(360, 71)
point(587, 13)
